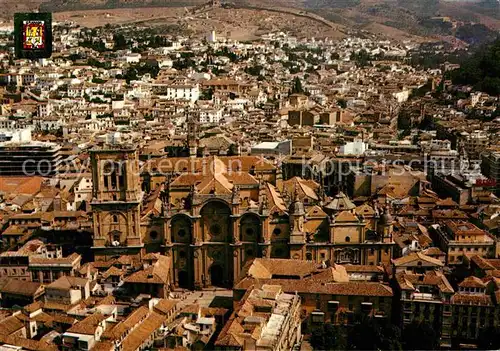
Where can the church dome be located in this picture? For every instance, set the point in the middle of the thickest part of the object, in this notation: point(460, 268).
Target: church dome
point(341, 203)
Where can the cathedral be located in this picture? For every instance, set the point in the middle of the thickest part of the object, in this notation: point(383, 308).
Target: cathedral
point(211, 215)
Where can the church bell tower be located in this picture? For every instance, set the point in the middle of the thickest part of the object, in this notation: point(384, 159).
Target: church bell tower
point(116, 201)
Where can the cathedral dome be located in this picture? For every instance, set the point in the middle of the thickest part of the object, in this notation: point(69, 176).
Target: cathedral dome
point(341, 203)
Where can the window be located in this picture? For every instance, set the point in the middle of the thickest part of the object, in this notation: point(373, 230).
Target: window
point(153, 235)
point(249, 231)
point(115, 219)
point(277, 231)
point(309, 256)
point(181, 233)
point(215, 229)
point(182, 254)
point(322, 255)
point(347, 239)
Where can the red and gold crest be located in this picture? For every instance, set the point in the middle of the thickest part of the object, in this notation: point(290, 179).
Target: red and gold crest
point(33, 35)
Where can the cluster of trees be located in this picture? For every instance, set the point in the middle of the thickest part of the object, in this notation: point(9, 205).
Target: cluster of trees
point(139, 69)
point(482, 70)
point(362, 58)
point(97, 45)
point(369, 334)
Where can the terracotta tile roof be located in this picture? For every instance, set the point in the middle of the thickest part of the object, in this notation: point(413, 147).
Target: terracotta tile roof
point(316, 212)
point(472, 282)
point(266, 268)
point(165, 305)
point(28, 344)
point(471, 299)
point(56, 306)
point(346, 216)
point(304, 188)
point(121, 329)
point(87, 326)
point(21, 185)
point(363, 268)
point(313, 287)
point(415, 257)
point(68, 282)
point(89, 266)
point(32, 307)
point(14, 230)
point(448, 202)
point(20, 287)
point(10, 325)
point(407, 281)
point(158, 273)
point(233, 163)
point(136, 337)
point(433, 251)
point(365, 210)
point(63, 319)
point(113, 272)
point(103, 346)
point(71, 259)
point(276, 201)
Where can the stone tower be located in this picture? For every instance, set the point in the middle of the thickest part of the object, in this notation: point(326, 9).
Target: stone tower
point(385, 226)
point(192, 133)
point(116, 201)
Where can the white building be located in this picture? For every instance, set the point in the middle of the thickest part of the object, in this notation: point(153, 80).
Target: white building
point(211, 115)
point(189, 92)
point(357, 147)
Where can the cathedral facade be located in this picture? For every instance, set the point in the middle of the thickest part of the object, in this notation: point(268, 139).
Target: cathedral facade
point(212, 215)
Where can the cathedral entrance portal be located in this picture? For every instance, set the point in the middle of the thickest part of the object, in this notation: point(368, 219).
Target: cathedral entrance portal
point(217, 234)
point(184, 280)
point(217, 275)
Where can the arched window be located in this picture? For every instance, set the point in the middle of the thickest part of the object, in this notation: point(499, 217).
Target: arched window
point(115, 219)
point(153, 235)
point(277, 231)
point(249, 231)
point(347, 239)
point(181, 233)
point(309, 256)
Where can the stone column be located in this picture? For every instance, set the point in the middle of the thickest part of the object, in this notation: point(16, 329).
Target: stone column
point(197, 266)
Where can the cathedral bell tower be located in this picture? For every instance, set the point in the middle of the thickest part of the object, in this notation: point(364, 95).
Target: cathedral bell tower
point(116, 201)
point(297, 233)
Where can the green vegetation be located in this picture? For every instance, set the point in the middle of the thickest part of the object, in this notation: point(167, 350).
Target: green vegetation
point(365, 334)
point(420, 336)
point(482, 70)
point(297, 86)
point(361, 58)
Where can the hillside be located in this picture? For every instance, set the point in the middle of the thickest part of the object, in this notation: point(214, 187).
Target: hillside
point(471, 22)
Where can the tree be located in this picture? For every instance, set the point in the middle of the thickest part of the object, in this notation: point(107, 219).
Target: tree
point(329, 337)
point(420, 336)
point(120, 42)
point(370, 334)
point(489, 338)
point(297, 86)
point(361, 58)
